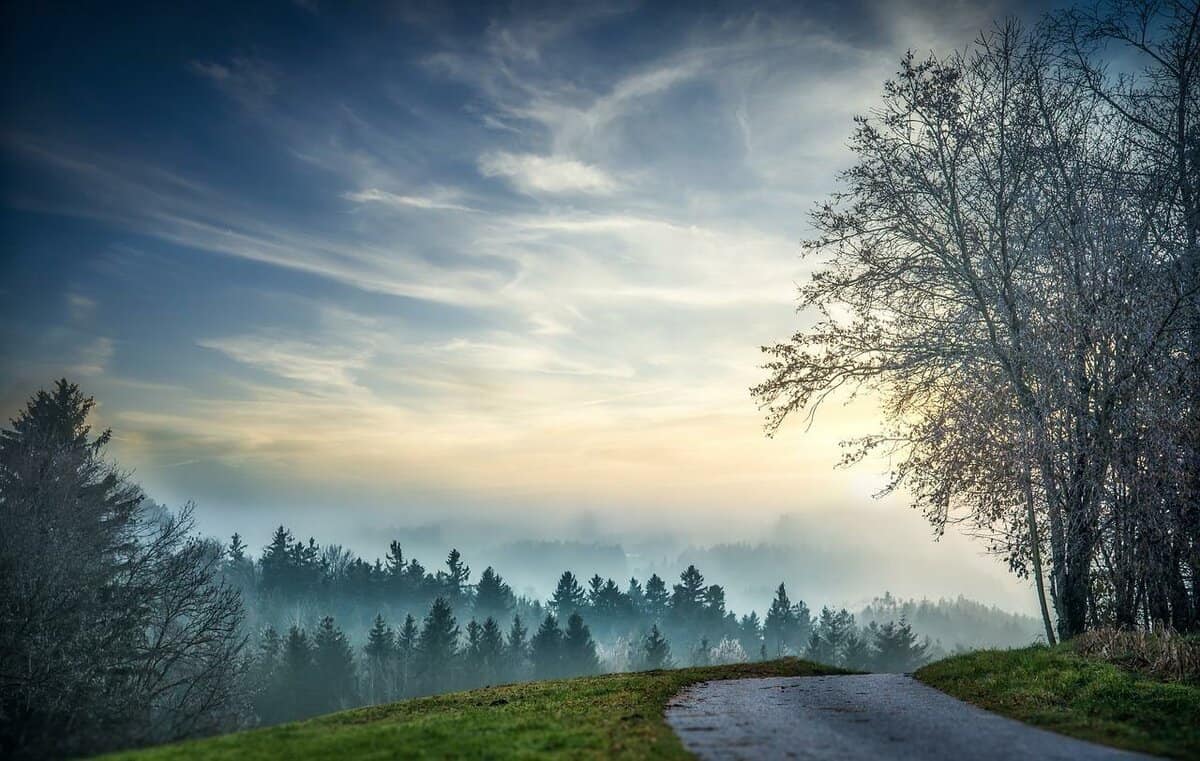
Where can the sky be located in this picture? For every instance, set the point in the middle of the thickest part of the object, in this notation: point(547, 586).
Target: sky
point(355, 267)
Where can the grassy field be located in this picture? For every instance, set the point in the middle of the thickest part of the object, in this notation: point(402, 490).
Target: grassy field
point(1060, 690)
point(612, 716)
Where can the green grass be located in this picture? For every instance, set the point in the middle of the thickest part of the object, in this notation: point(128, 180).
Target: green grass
point(612, 716)
point(1057, 689)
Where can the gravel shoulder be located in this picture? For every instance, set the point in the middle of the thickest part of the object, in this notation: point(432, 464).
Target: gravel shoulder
point(853, 718)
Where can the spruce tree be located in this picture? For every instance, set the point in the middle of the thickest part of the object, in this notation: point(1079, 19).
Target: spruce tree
point(437, 647)
point(568, 596)
point(297, 682)
point(750, 633)
point(491, 651)
point(472, 656)
point(656, 597)
point(516, 651)
point(578, 648)
point(380, 664)
point(637, 597)
point(897, 648)
point(656, 652)
point(687, 597)
point(455, 579)
point(492, 596)
point(333, 662)
point(545, 649)
point(407, 641)
point(779, 628)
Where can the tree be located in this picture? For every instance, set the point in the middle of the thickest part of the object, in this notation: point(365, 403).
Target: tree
point(454, 582)
point(380, 665)
point(437, 647)
point(779, 629)
point(546, 649)
point(491, 651)
point(578, 648)
point(516, 650)
point(656, 597)
point(407, 644)
point(897, 648)
point(750, 633)
point(116, 625)
point(687, 597)
point(1004, 268)
point(656, 651)
point(492, 596)
point(568, 596)
point(297, 681)
point(333, 667)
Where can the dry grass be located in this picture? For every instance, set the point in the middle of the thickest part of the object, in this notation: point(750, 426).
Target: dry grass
point(1163, 654)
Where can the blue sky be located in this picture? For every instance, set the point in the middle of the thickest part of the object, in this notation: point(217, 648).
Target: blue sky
point(393, 262)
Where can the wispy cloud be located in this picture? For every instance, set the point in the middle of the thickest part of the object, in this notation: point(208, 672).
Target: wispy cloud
point(546, 174)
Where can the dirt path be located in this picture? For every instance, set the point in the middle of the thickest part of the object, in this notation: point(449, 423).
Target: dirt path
point(854, 718)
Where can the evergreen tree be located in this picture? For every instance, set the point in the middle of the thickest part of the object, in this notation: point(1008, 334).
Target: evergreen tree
point(656, 597)
point(637, 597)
point(779, 628)
point(276, 563)
point(407, 642)
point(393, 571)
point(856, 651)
point(545, 649)
point(492, 596)
point(297, 682)
point(516, 650)
point(333, 663)
point(702, 656)
point(819, 649)
point(237, 548)
point(578, 648)
point(568, 596)
point(472, 656)
point(437, 647)
point(750, 633)
point(454, 585)
point(491, 651)
point(687, 597)
point(380, 664)
point(656, 652)
point(897, 649)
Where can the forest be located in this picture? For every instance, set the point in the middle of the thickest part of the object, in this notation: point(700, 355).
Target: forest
point(126, 626)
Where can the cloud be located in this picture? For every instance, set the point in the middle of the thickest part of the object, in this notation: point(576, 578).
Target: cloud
point(94, 356)
point(384, 198)
point(532, 173)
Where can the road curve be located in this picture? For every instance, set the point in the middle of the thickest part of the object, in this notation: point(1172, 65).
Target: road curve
point(855, 718)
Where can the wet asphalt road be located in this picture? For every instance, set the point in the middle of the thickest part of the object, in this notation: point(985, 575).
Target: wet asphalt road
point(856, 718)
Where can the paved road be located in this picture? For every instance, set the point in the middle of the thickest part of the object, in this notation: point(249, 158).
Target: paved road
point(854, 718)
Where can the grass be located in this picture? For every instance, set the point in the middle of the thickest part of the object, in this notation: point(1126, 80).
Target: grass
point(1061, 690)
point(611, 716)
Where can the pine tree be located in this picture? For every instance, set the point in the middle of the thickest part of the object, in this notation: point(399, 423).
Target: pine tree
point(750, 633)
point(333, 662)
point(656, 597)
point(276, 563)
point(702, 656)
point(516, 650)
point(856, 651)
point(656, 652)
point(237, 548)
point(568, 596)
point(779, 628)
point(492, 596)
point(491, 651)
point(437, 647)
point(455, 580)
point(407, 642)
point(297, 682)
point(545, 649)
point(687, 597)
point(819, 649)
point(578, 648)
point(637, 597)
point(380, 664)
point(897, 648)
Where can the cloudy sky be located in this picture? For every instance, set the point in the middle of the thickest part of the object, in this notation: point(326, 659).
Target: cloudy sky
point(415, 260)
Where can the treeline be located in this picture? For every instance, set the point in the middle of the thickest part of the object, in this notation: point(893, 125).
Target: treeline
point(434, 631)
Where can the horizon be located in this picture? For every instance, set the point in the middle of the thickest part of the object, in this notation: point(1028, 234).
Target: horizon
point(366, 271)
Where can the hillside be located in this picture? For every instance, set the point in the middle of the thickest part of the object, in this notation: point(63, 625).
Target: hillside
point(611, 716)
